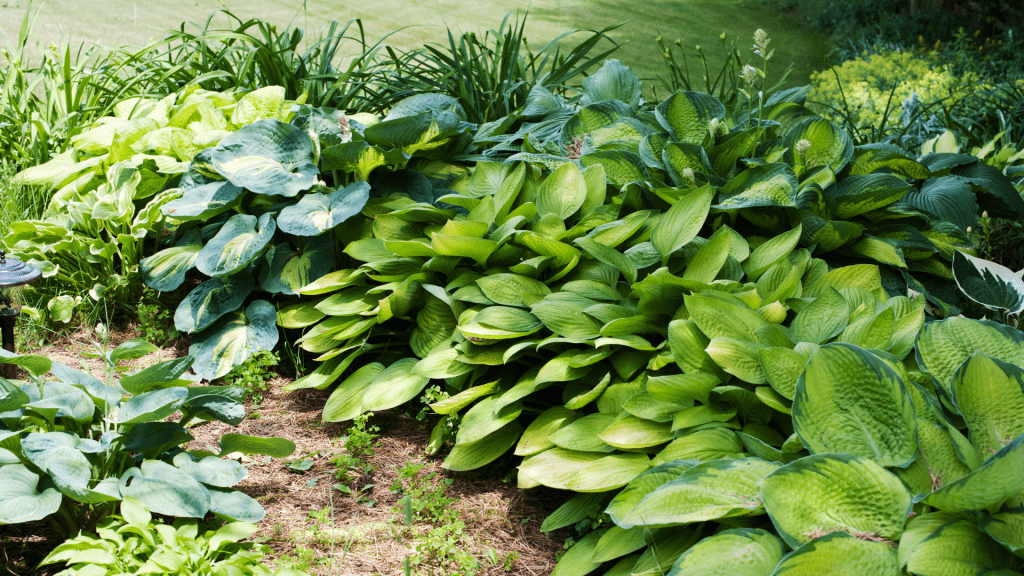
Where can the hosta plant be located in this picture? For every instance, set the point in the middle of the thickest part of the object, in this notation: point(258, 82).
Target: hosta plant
point(73, 446)
point(258, 222)
point(136, 543)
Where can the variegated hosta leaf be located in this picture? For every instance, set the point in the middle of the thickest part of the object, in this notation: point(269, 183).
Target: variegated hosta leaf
point(735, 552)
point(988, 283)
point(942, 346)
point(316, 213)
point(819, 494)
point(989, 394)
point(839, 554)
point(165, 271)
point(240, 241)
point(267, 157)
point(988, 487)
point(204, 201)
point(424, 131)
point(716, 489)
point(939, 544)
point(850, 402)
point(766, 185)
point(211, 300)
point(164, 489)
point(285, 269)
point(233, 338)
point(686, 115)
point(1007, 528)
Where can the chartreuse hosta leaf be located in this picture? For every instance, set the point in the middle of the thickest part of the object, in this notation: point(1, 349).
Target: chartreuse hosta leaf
point(563, 192)
point(735, 552)
point(986, 488)
point(942, 346)
point(267, 157)
point(940, 544)
point(716, 489)
point(822, 319)
point(233, 338)
point(1007, 528)
point(686, 115)
point(839, 554)
point(825, 493)
point(238, 242)
point(989, 394)
point(682, 221)
point(316, 213)
point(988, 283)
point(850, 402)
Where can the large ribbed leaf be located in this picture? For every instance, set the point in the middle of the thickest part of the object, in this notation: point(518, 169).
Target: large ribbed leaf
point(828, 492)
point(238, 242)
point(949, 198)
point(267, 157)
point(988, 283)
point(287, 268)
point(204, 202)
point(839, 554)
point(212, 299)
point(955, 547)
point(233, 338)
point(164, 489)
point(822, 319)
point(989, 394)
point(165, 271)
point(830, 145)
point(423, 131)
point(20, 499)
point(735, 552)
point(987, 487)
point(612, 81)
point(316, 213)
point(1007, 528)
point(686, 115)
point(942, 346)
point(716, 489)
point(765, 185)
point(848, 401)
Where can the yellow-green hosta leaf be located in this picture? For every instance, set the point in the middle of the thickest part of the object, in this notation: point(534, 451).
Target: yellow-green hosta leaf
point(483, 451)
point(856, 195)
point(942, 346)
point(686, 115)
point(705, 445)
point(1007, 528)
point(509, 289)
point(681, 387)
point(825, 493)
point(822, 319)
point(767, 254)
point(782, 368)
point(396, 385)
point(859, 275)
point(850, 402)
point(583, 435)
point(765, 185)
point(988, 487)
point(609, 256)
point(478, 249)
point(423, 131)
point(267, 157)
point(239, 241)
point(682, 221)
point(259, 104)
point(720, 318)
point(938, 463)
point(578, 561)
point(880, 250)
point(564, 316)
point(608, 473)
point(557, 466)
point(630, 432)
point(644, 484)
point(735, 552)
point(702, 414)
point(705, 265)
point(839, 554)
point(621, 167)
point(346, 402)
point(737, 357)
point(871, 332)
point(957, 547)
point(716, 489)
point(563, 192)
point(989, 394)
point(537, 436)
point(332, 281)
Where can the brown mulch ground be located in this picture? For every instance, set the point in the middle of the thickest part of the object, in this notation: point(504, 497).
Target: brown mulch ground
point(347, 537)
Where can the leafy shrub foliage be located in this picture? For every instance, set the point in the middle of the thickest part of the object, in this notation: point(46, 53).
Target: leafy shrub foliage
point(71, 448)
point(135, 543)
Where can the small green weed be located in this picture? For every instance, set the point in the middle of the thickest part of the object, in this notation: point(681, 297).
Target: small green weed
point(155, 322)
point(426, 493)
point(255, 375)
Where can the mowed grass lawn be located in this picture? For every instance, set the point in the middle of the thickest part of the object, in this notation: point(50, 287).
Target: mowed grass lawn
point(693, 22)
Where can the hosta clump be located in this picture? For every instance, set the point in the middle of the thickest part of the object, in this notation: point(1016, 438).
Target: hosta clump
point(111, 184)
point(256, 219)
point(135, 543)
point(71, 448)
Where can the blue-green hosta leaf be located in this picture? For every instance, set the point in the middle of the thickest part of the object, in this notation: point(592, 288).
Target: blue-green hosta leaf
point(716, 489)
point(211, 470)
point(999, 197)
point(267, 157)
point(848, 401)
point(20, 499)
point(988, 283)
point(240, 240)
point(612, 81)
point(164, 489)
point(316, 213)
point(235, 506)
point(204, 202)
point(152, 406)
point(286, 269)
point(686, 115)
point(37, 365)
point(955, 547)
point(409, 134)
point(212, 299)
point(825, 493)
point(159, 375)
point(988, 487)
point(62, 400)
point(989, 394)
point(57, 454)
point(765, 185)
point(1007, 528)
point(949, 198)
point(735, 552)
point(233, 338)
point(682, 221)
point(830, 145)
point(839, 554)
point(942, 346)
point(165, 271)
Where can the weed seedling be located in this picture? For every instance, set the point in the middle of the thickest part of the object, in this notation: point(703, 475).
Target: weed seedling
point(255, 375)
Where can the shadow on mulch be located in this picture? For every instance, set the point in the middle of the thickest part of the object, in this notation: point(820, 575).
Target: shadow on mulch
point(324, 531)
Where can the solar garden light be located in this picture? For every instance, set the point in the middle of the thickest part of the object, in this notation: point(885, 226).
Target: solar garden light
point(14, 275)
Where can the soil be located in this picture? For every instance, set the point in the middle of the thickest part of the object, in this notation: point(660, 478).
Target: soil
point(318, 529)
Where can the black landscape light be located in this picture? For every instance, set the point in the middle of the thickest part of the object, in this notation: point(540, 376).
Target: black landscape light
point(14, 275)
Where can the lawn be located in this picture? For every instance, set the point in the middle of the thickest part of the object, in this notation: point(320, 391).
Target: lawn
point(410, 23)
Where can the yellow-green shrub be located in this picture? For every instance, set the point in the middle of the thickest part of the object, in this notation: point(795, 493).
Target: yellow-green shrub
point(868, 81)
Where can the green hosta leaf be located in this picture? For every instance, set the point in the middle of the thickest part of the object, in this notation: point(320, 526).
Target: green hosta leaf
point(989, 394)
point(737, 357)
point(235, 506)
point(484, 451)
point(948, 198)
point(267, 157)
point(578, 561)
point(942, 346)
point(682, 222)
point(396, 385)
point(20, 499)
point(204, 202)
point(164, 489)
point(537, 436)
point(286, 269)
point(316, 213)
point(822, 320)
point(688, 344)
point(346, 402)
point(609, 256)
point(830, 145)
point(686, 115)
point(273, 447)
point(839, 554)
point(152, 406)
point(612, 81)
point(556, 467)
point(608, 473)
point(706, 264)
point(987, 487)
point(721, 318)
point(240, 240)
point(621, 167)
point(850, 402)
point(943, 545)
point(765, 185)
point(409, 134)
point(782, 368)
point(233, 338)
point(359, 157)
point(735, 552)
point(644, 484)
point(631, 432)
point(563, 192)
point(510, 289)
point(768, 254)
point(988, 283)
point(716, 489)
point(1007, 528)
point(566, 317)
point(856, 195)
point(835, 492)
point(211, 300)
